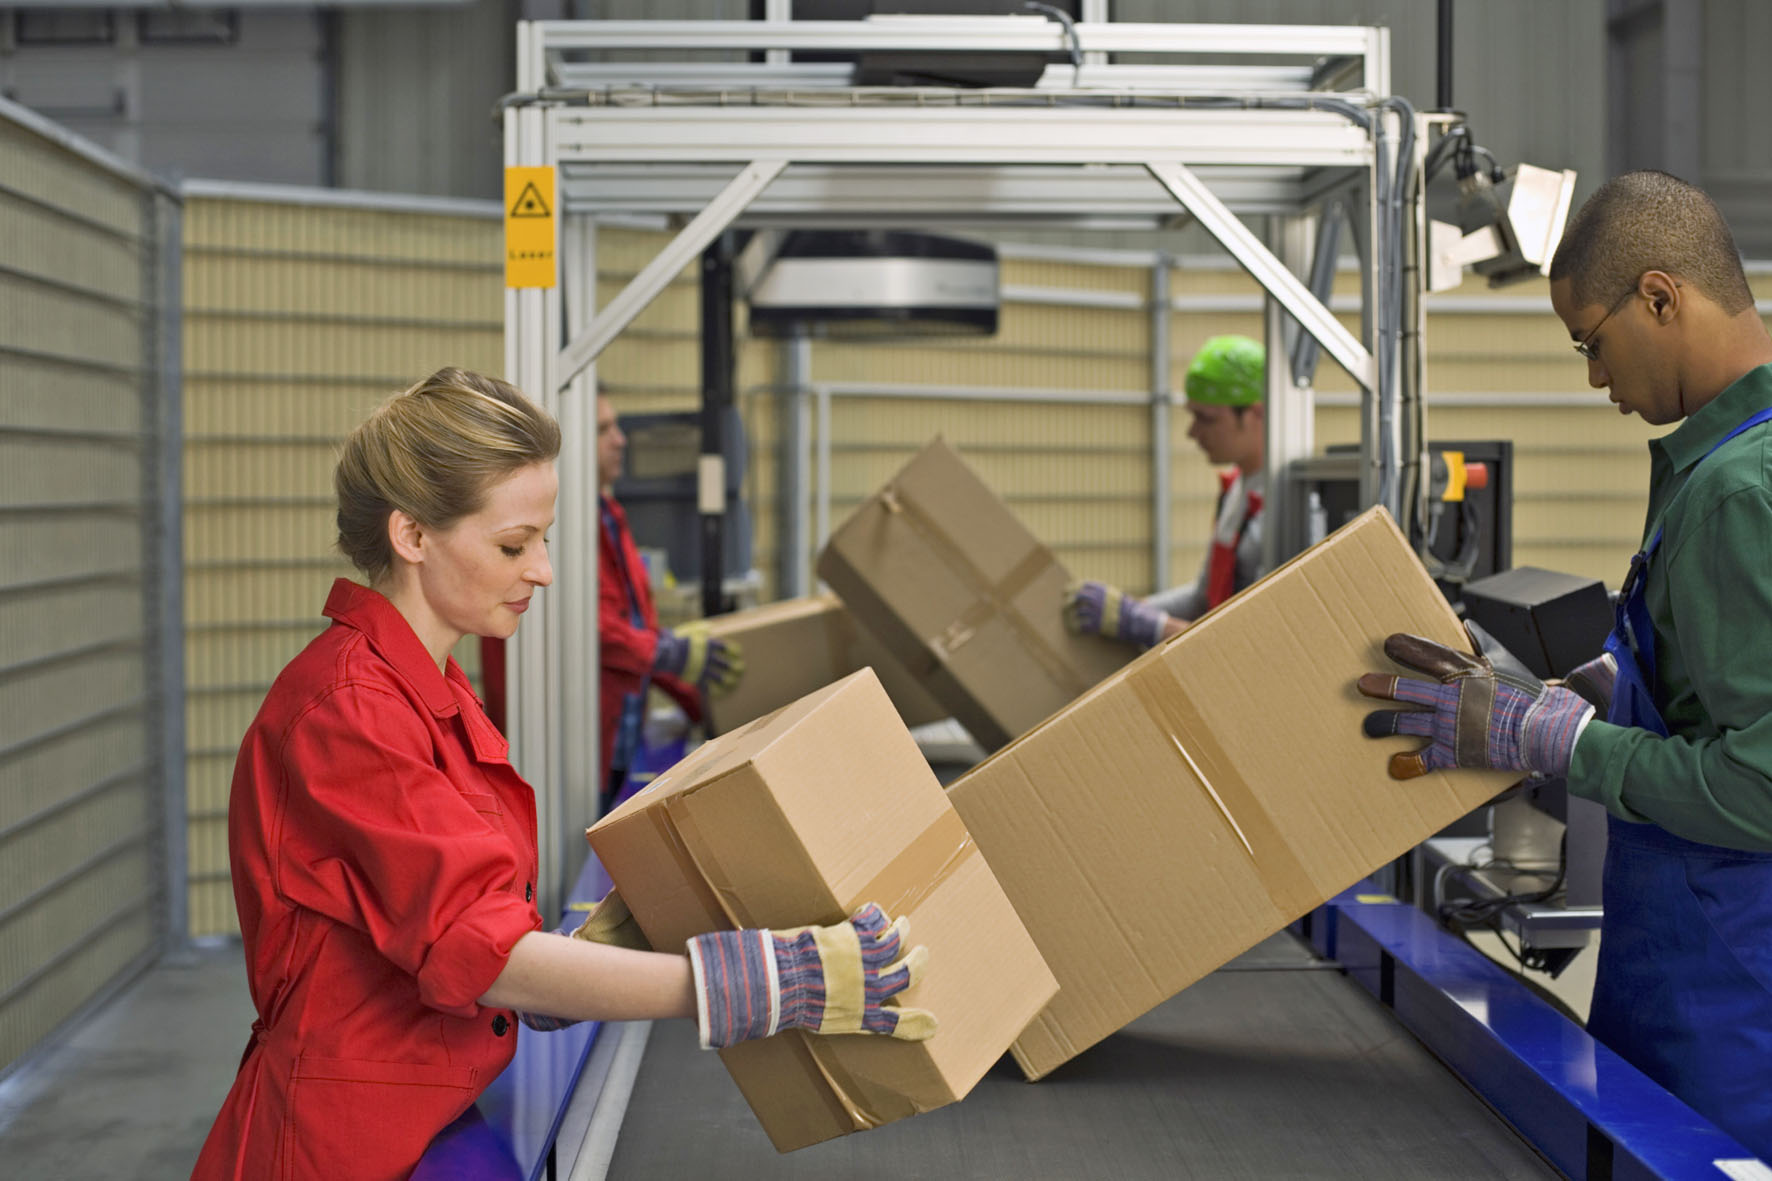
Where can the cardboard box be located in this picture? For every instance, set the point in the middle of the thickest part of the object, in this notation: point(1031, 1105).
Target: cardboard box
point(797, 646)
point(940, 570)
point(800, 818)
point(1215, 790)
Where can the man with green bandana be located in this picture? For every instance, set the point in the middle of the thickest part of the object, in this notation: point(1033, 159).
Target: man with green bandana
point(1226, 384)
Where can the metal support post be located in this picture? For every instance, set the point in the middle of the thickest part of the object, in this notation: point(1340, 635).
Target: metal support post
point(657, 274)
point(1267, 270)
point(578, 520)
point(795, 414)
point(1162, 394)
point(822, 433)
point(164, 516)
point(716, 400)
point(535, 717)
point(1291, 406)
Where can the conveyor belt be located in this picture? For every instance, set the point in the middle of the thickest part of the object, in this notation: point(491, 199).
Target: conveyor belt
point(1275, 1066)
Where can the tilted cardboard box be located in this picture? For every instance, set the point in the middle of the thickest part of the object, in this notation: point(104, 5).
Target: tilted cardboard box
point(941, 571)
point(796, 646)
point(1215, 790)
point(800, 818)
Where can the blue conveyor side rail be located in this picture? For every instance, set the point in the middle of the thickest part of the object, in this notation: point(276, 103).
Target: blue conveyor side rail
point(1590, 1113)
point(509, 1133)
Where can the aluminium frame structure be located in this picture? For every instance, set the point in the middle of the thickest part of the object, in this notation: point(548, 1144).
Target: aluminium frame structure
point(768, 142)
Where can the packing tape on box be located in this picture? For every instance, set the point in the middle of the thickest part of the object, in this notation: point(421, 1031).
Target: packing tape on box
point(924, 864)
point(990, 598)
point(1167, 702)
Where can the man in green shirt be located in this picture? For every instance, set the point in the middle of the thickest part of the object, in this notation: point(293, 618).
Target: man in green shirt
point(1648, 281)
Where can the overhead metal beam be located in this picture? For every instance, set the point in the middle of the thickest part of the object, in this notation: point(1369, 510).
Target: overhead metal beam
point(1003, 34)
point(955, 134)
point(1267, 270)
point(931, 194)
point(644, 287)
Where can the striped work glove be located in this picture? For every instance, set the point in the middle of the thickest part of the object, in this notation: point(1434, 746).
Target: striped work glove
point(1097, 609)
point(699, 658)
point(1472, 715)
point(835, 979)
point(609, 922)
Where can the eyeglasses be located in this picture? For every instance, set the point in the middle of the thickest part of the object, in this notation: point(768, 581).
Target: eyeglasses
point(1585, 346)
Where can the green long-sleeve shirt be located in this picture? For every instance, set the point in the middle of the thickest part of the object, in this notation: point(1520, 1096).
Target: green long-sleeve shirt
point(1709, 593)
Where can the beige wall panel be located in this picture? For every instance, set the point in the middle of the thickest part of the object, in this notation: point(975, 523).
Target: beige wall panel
point(80, 798)
point(216, 720)
point(268, 228)
point(1045, 329)
point(211, 904)
point(1028, 272)
point(390, 355)
point(247, 594)
point(42, 242)
point(938, 366)
point(66, 911)
point(334, 289)
point(260, 469)
point(674, 311)
point(46, 395)
point(36, 318)
point(279, 405)
point(47, 773)
point(227, 657)
point(299, 321)
point(46, 549)
point(235, 532)
point(37, 859)
point(637, 366)
point(210, 773)
point(46, 173)
point(40, 624)
point(109, 948)
point(38, 700)
point(42, 472)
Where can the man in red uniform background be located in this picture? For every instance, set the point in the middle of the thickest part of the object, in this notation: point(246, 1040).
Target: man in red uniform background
point(635, 652)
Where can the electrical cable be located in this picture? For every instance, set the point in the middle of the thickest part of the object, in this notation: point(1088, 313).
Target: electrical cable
point(1052, 12)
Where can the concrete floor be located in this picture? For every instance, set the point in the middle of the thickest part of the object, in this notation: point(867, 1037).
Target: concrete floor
point(131, 1093)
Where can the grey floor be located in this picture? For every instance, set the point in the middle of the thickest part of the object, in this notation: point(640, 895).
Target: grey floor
point(1272, 1067)
point(131, 1093)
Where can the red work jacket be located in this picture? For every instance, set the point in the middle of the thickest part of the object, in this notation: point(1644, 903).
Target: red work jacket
point(626, 651)
point(384, 858)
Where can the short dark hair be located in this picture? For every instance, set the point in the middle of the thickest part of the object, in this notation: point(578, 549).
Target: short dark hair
point(1650, 221)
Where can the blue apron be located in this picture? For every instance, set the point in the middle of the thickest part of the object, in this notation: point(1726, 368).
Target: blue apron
point(1684, 986)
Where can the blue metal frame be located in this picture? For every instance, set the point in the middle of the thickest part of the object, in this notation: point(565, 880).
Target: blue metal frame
point(1589, 1112)
point(508, 1134)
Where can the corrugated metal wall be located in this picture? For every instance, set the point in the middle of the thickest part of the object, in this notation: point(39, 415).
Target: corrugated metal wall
point(82, 404)
point(302, 312)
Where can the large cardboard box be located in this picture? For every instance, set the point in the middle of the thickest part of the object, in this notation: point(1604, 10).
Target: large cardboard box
point(799, 818)
point(1215, 790)
point(797, 646)
point(941, 571)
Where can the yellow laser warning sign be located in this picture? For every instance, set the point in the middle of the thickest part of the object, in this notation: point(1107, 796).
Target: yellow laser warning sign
point(529, 227)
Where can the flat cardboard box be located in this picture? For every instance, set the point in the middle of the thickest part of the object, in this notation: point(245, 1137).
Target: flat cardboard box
point(938, 568)
point(797, 646)
point(1215, 790)
point(800, 818)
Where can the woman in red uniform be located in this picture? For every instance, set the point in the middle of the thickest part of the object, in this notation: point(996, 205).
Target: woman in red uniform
point(384, 850)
